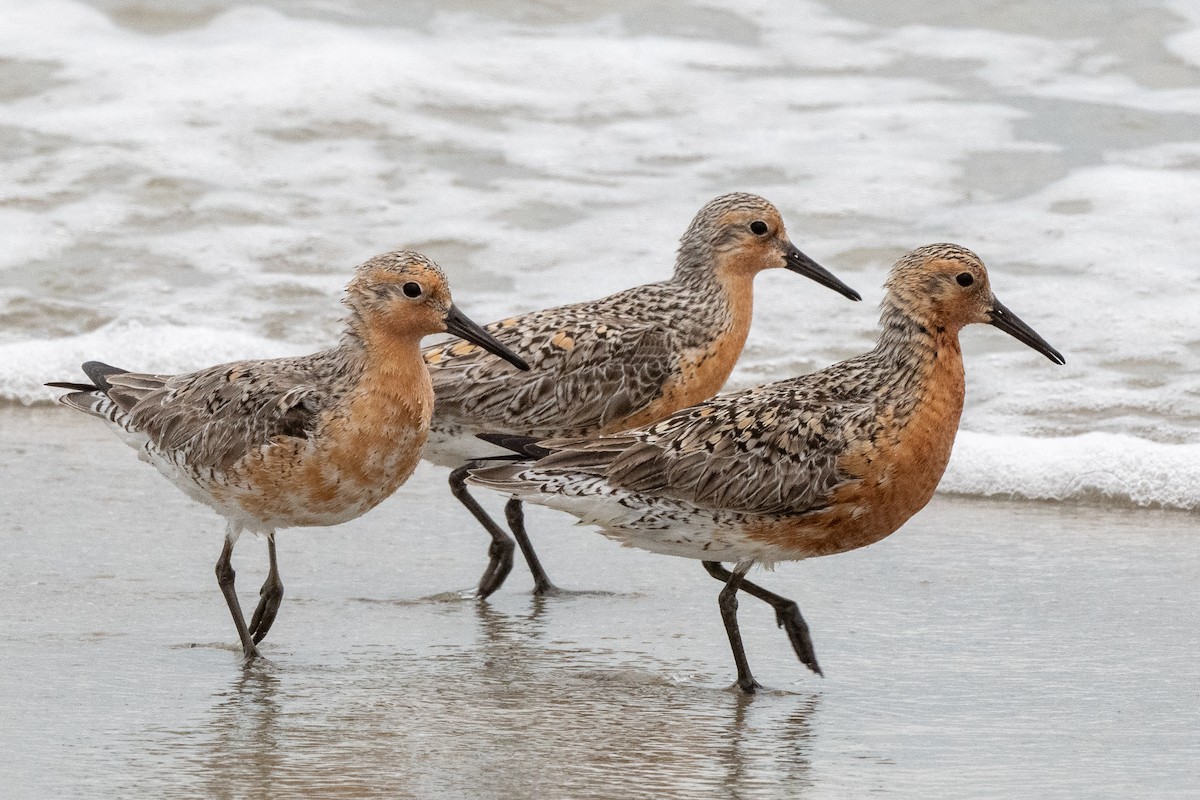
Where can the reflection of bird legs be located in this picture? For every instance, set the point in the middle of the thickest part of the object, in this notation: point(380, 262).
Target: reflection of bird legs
point(241, 734)
point(787, 615)
point(498, 623)
point(509, 643)
point(761, 743)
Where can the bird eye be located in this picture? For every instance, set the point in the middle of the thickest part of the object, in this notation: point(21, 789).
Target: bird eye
point(965, 279)
point(411, 289)
point(758, 227)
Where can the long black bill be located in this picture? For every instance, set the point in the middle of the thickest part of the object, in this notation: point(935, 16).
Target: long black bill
point(803, 265)
point(458, 324)
point(1011, 324)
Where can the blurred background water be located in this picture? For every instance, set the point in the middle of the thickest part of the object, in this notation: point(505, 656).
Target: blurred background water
point(190, 182)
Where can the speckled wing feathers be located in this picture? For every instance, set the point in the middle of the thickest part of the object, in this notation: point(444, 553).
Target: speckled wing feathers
point(219, 414)
point(768, 450)
point(589, 369)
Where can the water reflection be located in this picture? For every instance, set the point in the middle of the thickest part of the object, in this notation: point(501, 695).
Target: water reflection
point(243, 755)
point(517, 713)
point(763, 758)
point(541, 718)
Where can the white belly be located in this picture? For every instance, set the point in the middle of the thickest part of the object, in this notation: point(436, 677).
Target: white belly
point(453, 446)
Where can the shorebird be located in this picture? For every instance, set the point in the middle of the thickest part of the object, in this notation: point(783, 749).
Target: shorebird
point(625, 360)
point(811, 466)
point(310, 440)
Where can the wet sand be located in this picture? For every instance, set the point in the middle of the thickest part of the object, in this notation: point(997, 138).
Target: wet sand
point(988, 649)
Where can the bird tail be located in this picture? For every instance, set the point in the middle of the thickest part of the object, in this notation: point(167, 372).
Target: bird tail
point(523, 446)
point(500, 477)
point(90, 398)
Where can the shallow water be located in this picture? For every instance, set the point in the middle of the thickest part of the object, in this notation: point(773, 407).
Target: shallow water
point(987, 650)
point(187, 183)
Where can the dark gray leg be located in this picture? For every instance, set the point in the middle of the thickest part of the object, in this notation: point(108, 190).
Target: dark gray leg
point(787, 615)
point(225, 576)
point(728, 603)
point(500, 553)
point(516, 522)
point(269, 597)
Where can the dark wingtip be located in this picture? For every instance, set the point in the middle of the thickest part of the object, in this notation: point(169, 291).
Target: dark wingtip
point(98, 371)
point(75, 387)
point(521, 445)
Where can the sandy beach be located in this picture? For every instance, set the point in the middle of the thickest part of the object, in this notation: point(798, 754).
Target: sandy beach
point(988, 649)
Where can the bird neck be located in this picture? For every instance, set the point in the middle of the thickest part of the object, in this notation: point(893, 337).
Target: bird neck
point(388, 367)
point(920, 363)
point(717, 302)
point(695, 270)
point(373, 436)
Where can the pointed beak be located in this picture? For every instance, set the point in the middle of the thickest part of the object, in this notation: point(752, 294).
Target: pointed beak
point(803, 265)
point(1011, 324)
point(462, 327)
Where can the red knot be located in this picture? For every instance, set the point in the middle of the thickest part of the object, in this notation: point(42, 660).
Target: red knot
point(310, 440)
point(618, 362)
point(811, 466)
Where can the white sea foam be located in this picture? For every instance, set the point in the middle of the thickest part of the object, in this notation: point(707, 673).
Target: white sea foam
point(132, 345)
point(1093, 465)
point(197, 194)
